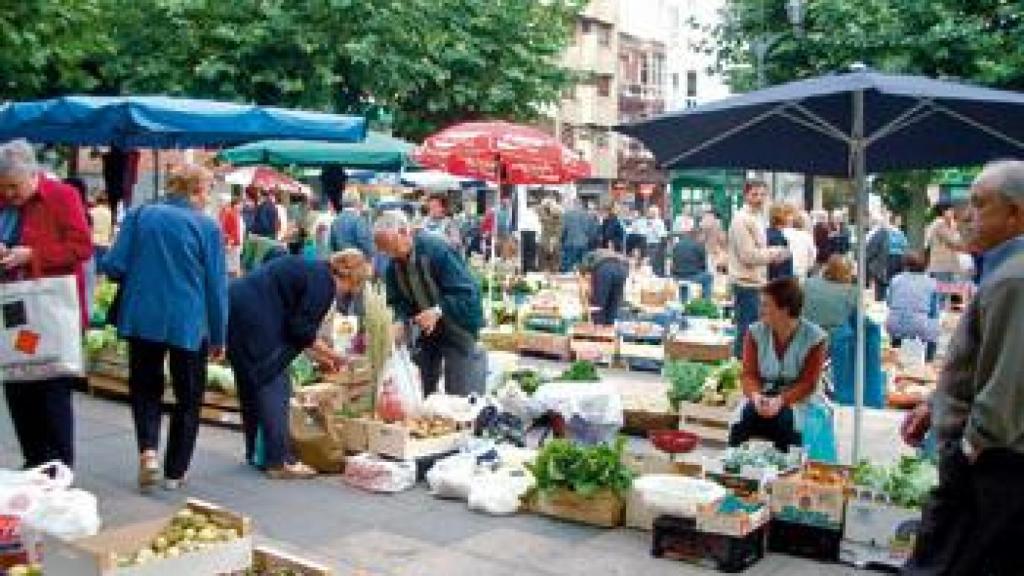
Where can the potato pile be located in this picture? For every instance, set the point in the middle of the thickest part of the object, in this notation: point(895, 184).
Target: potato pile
point(431, 426)
point(189, 531)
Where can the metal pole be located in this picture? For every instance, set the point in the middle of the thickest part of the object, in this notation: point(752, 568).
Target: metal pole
point(156, 174)
point(859, 177)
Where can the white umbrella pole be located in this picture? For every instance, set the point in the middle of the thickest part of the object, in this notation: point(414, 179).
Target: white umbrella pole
point(859, 153)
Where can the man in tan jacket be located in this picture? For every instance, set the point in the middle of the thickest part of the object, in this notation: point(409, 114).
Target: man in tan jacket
point(974, 521)
point(749, 257)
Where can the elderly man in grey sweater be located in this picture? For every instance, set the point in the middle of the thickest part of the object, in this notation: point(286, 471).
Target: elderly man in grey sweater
point(974, 520)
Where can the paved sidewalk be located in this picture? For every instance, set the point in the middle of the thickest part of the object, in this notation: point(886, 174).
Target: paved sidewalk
point(360, 533)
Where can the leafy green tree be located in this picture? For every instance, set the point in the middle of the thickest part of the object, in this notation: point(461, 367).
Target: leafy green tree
point(980, 41)
point(429, 62)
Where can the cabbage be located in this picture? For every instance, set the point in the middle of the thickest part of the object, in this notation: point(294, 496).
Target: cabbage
point(220, 378)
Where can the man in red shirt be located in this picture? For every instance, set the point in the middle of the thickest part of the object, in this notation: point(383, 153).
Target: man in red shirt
point(231, 224)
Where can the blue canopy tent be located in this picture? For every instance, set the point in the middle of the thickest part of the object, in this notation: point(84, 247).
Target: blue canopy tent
point(843, 125)
point(164, 122)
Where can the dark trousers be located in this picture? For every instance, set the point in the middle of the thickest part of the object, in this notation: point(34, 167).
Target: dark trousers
point(465, 371)
point(529, 251)
point(881, 288)
point(146, 391)
point(264, 407)
point(974, 520)
point(572, 256)
point(609, 283)
point(656, 253)
point(746, 311)
point(43, 420)
point(780, 431)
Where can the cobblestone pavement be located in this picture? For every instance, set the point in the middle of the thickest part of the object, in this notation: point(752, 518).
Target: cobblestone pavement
point(366, 534)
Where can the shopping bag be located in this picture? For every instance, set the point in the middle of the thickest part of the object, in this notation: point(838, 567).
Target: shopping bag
point(41, 330)
point(400, 393)
point(819, 433)
point(23, 493)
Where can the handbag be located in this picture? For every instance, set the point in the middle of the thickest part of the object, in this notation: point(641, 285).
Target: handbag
point(41, 330)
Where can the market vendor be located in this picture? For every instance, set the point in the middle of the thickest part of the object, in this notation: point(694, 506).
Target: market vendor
point(783, 355)
point(276, 313)
point(431, 288)
point(606, 271)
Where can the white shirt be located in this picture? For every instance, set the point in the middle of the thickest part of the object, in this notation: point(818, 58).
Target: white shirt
point(282, 222)
point(801, 245)
point(529, 221)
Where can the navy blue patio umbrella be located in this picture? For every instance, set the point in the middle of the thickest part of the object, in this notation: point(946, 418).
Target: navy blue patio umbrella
point(843, 125)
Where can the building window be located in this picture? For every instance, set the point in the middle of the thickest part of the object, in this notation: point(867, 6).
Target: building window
point(691, 84)
point(604, 35)
point(569, 92)
point(675, 81)
point(585, 27)
point(645, 69)
point(604, 86)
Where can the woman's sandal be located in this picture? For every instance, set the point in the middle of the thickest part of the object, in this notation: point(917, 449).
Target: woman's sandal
point(149, 473)
point(295, 471)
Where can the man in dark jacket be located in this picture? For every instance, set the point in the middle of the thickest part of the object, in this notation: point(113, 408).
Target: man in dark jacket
point(690, 264)
point(350, 229)
point(577, 229)
point(431, 288)
point(607, 271)
point(877, 259)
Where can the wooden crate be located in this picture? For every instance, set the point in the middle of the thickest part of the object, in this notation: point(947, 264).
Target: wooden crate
point(710, 423)
point(500, 340)
point(271, 561)
point(396, 441)
point(592, 342)
point(355, 433)
point(648, 351)
point(677, 349)
point(553, 345)
point(642, 422)
point(604, 508)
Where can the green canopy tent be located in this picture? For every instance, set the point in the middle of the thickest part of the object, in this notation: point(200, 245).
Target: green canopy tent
point(378, 152)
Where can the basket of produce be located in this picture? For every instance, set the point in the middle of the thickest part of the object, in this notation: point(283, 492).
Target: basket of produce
point(674, 441)
point(702, 308)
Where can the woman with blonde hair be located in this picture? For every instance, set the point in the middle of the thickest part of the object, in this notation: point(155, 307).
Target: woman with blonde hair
point(831, 299)
point(169, 260)
point(276, 314)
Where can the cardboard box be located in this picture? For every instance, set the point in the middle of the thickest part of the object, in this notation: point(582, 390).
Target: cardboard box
point(97, 555)
point(355, 433)
point(270, 561)
point(396, 441)
point(796, 498)
point(710, 520)
point(318, 394)
point(889, 529)
point(648, 351)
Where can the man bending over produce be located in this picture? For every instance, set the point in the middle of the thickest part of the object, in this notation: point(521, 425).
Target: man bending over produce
point(430, 287)
point(607, 272)
point(974, 521)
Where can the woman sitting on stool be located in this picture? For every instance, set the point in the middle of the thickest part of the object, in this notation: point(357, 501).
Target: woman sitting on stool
point(783, 355)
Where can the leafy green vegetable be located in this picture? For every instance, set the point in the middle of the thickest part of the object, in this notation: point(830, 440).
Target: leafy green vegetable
point(529, 380)
point(302, 371)
point(220, 378)
point(686, 381)
point(757, 456)
point(907, 483)
point(580, 371)
point(702, 308)
point(582, 469)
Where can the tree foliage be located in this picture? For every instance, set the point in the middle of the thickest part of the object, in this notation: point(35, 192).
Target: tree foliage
point(981, 41)
point(431, 62)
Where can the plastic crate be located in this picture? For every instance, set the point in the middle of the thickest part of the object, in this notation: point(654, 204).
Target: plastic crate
point(679, 538)
point(821, 544)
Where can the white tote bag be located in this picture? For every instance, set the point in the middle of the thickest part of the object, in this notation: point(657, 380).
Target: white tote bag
point(41, 330)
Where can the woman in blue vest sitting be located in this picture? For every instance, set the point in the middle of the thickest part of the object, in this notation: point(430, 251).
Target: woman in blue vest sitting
point(783, 355)
point(276, 313)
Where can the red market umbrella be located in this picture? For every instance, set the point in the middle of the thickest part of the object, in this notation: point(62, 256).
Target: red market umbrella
point(501, 152)
point(264, 178)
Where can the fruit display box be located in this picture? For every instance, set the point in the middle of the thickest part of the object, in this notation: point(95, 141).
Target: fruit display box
point(679, 538)
point(397, 441)
point(269, 562)
point(875, 531)
point(815, 496)
point(98, 555)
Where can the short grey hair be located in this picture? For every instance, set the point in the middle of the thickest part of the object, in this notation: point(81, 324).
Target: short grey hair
point(350, 199)
point(17, 158)
point(1005, 177)
point(391, 221)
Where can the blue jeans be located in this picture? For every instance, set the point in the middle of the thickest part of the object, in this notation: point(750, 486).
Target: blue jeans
point(705, 279)
point(747, 309)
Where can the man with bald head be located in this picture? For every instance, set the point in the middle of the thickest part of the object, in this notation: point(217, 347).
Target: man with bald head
point(975, 518)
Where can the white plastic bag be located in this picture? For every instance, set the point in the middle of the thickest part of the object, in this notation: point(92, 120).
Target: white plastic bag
point(22, 493)
point(400, 393)
point(499, 493)
point(370, 472)
point(66, 514)
point(451, 477)
point(42, 330)
point(677, 495)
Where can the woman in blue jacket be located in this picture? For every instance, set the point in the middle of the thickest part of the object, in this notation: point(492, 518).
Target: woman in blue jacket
point(276, 313)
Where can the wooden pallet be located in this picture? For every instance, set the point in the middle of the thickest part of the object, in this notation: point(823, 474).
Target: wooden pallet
point(710, 423)
point(217, 408)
